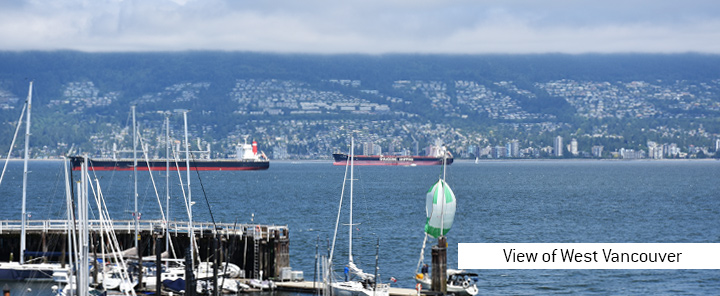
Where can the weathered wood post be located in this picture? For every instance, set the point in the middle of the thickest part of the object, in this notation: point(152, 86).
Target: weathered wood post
point(189, 273)
point(439, 266)
point(43, 239)
point(63, 249)
point(216, 262)
point(279, 251)
point(95, 244)
point(158, 260)
point(140, 250)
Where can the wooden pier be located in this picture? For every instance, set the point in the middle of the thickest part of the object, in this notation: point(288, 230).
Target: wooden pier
point(254, 248)
point(312, 287)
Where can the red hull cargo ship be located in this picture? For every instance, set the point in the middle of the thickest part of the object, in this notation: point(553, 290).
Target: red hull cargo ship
point(341, 159)
point(435, 159)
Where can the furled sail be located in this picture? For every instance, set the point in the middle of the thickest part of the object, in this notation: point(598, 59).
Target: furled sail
point(440, 209)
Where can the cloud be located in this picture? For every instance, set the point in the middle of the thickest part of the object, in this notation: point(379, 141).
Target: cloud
point(354, 26)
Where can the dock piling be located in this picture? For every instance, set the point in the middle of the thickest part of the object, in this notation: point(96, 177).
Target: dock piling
point(439, 266)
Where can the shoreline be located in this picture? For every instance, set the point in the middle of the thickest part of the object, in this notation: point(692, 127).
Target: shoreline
point(585, 159)
point(463, 161)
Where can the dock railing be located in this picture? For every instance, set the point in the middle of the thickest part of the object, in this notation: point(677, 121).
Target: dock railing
point(61, 225)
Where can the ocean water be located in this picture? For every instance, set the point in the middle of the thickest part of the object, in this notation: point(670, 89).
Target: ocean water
point(498, 202)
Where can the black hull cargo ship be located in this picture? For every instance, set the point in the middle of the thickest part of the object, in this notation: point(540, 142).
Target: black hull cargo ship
point(248, 160)
point(161, 164)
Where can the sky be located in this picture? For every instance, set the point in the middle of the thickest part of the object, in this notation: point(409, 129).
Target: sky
point(363, 26)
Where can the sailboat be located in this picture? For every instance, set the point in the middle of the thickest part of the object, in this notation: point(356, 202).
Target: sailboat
point(365, 284)
point(440, 206)
point(24, 270)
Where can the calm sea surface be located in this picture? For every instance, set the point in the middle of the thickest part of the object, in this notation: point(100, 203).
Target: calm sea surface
point(498, 202)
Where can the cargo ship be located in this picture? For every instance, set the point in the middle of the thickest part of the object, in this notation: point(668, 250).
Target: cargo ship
point(435, 159)
point(248, 159)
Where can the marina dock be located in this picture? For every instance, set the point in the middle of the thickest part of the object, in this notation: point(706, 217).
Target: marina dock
point(254, 248)
point(265, 247)
point(312, 287)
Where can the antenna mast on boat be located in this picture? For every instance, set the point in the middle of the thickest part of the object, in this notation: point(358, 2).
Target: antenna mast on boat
point(25, 172)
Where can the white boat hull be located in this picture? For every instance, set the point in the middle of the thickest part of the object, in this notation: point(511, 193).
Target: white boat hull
point(14, 271)
point(262, 285)
point(468, 290)
point(358, 289)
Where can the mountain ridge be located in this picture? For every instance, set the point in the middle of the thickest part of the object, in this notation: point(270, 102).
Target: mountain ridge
point(416, 89)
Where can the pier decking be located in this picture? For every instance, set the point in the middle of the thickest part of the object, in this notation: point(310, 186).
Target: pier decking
point(312, 287)
point(46, 239)
point(253, 247)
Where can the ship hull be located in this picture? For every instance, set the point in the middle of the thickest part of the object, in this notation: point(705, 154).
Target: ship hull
point(341, 159)
point(161, 165)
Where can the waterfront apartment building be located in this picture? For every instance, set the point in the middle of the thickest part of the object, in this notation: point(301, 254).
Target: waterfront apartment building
point(655, 151)
point(514, 148)
point(499, 152)
point(558, 147)
point(631, 153)
point(671, 150)
point(370, 148)
point(574, 147)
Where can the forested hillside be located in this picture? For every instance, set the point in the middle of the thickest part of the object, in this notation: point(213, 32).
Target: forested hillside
point(305, 106)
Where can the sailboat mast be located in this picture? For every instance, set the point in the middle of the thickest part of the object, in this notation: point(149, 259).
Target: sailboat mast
point(25, 172)
point(442, 187)
point(337, 220)
point(187, 169)
point(84, 240)
point(12, 143)
point(135, 213)
point(167, 182)
point(444, 152)
point(70, 229)
point(352, 178)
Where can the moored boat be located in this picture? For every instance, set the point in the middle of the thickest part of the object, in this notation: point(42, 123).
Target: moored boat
point(459, 282)
point(25, 270)
point(440, 206)
point(357, 282)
